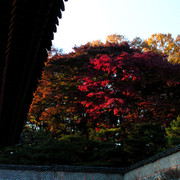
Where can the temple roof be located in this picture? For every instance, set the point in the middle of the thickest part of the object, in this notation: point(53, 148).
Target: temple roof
point(26, 32)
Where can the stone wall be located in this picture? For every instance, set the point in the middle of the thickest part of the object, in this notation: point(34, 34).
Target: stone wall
point(18, 172)
point(165, 165)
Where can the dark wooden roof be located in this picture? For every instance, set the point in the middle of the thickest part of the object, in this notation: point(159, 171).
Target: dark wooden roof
point(26, 31)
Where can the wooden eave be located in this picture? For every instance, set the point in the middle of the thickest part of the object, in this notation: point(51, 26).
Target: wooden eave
point(27, 28)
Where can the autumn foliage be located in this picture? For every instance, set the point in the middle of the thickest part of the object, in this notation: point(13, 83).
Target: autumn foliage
point(133, 87)
point(107, 92)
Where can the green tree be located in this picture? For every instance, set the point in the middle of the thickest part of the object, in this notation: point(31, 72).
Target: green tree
point(144, 140)
point(173, 132)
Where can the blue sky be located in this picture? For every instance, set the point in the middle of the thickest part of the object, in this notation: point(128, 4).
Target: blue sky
point(88, 20)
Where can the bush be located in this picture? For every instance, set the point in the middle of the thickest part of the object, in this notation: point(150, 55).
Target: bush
point(173, 133)
point(40, 148)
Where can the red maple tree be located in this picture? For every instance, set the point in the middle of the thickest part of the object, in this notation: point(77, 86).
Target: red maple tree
point(131, 87)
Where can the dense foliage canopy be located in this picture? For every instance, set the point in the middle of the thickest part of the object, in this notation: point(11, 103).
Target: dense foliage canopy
point(117, 92)
point(115, 102)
